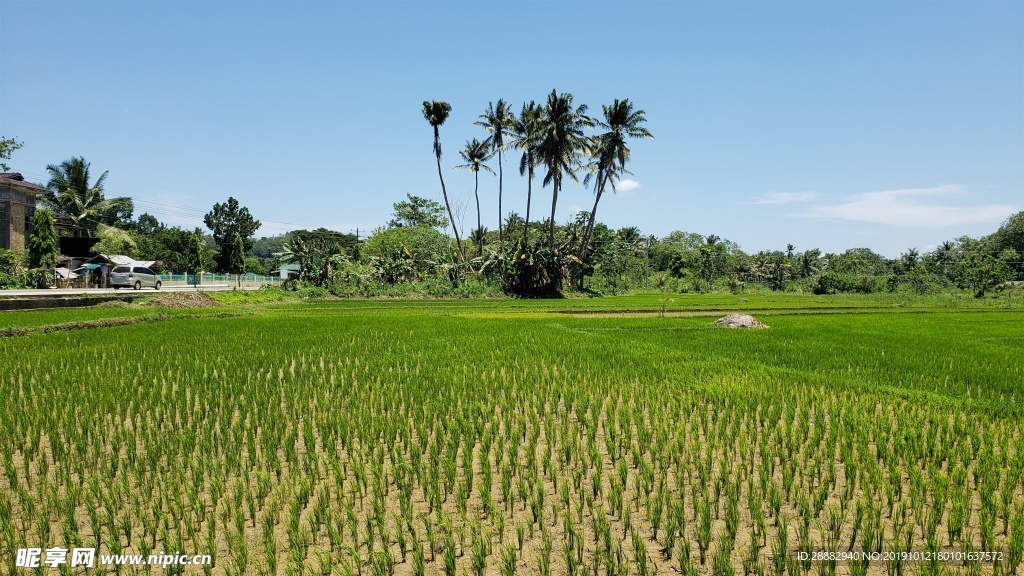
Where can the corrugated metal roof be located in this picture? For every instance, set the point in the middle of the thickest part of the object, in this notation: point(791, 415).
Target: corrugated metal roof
point(16, 180)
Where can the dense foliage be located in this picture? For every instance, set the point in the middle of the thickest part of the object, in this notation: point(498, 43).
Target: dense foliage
point(523, 257)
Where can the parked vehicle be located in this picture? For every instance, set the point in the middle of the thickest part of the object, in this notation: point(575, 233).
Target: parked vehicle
point(135, 277)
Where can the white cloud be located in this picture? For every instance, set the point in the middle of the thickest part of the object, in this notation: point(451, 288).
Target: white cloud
point(626, 187)
point(785, 197)
point(911, 208)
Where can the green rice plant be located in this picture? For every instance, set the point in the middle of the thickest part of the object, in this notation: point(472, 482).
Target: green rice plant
point(383, 563)
point(721, 563)
point(448, 555)
point(480, 549)
point(418, 558)
point(507, 567)
point(703, 513)
point(544, 558)
point(752, 562)
point(640, 554)
point(1015, 552)
point(334, 429)
point(780, 546)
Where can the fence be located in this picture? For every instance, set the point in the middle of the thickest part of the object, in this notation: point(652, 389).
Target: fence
point(244, 280)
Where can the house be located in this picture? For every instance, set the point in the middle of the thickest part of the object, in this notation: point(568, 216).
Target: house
point(287, 271)
point(17, 207)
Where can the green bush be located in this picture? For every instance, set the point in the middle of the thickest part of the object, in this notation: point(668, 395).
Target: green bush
point(421, 247)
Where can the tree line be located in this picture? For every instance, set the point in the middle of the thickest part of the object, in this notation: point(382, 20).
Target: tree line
point(524, 256)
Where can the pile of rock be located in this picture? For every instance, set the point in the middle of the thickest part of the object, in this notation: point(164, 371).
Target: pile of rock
point(188, 299)
point(740, 321)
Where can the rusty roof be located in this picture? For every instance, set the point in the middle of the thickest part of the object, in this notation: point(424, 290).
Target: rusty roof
point(17, 181)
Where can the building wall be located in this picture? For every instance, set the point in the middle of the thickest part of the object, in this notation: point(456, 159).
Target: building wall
point(15, 208)
point(18, 240)
point(5, 224)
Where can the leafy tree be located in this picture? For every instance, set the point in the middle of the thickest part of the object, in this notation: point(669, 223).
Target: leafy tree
point(236, 256)
point(983, 272)
point(498, 120)
point(526, 137)
point(80, 205)
point(326, 241)
point(147, 224)
point(169, 245)
point(42, 244)
point(664, 251)
point(909, 259)
point(12, 268)
point(474, 156)
point(195, 253)
point(7, 147)
point(266, 249)
point(421, 247)
point(115, 241)
point(562, 144)
point(778, 270)
point(436, 112)
point(318, 253)
point(229, 221)
point(808, 263)
point(255, 265)
point(943, 259)
point(513, 222)
point(711, 259)
point(858, 261)
point(1010, 236)
point(417, 211)
point(610, 153)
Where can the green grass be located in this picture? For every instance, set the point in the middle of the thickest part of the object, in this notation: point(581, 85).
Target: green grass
point(31, 318)
point(307, 434)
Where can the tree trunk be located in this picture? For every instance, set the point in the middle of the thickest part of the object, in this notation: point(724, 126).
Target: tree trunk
point(554, 202)
point(444, 192)
point(501, 232)
point(479, 226)
point(585, 245)
point(529, 194)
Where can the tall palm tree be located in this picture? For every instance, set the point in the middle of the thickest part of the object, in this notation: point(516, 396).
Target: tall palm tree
point(610, 153)
point(526, 136)
point(436, 112)
point(944, 256)
point(562, 144)
point(497, 120)
point(80, 203)
point(474, 155)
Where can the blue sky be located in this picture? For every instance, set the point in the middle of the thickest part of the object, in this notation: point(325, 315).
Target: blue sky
point(886, 125)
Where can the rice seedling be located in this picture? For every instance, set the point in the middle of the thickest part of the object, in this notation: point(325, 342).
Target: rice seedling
point(355, 438)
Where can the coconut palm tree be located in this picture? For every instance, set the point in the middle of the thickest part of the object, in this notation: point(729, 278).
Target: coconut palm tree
point(474, 155)
point(81, 205)
point(497, 120)
point(436, 112)
point(562, 144)
point(944, 256)
point(610, 153)
point(526, 136)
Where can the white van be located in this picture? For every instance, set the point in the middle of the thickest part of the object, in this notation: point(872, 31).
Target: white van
point(137, 277)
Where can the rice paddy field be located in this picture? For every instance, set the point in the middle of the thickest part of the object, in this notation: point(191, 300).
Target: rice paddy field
point(610, 436)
